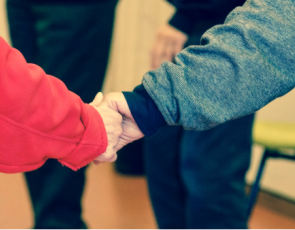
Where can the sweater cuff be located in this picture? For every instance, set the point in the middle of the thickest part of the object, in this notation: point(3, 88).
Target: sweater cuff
point(184, 21)
point(144, 111)
point(93, 142)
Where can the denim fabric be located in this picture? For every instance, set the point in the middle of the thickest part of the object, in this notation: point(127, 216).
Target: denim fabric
point(241, 66)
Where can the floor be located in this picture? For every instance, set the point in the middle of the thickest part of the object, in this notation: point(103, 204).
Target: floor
point(110, 201)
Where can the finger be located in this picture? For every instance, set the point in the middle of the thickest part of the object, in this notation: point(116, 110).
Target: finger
point(110, 103)
point(121, 143)
point(168, 52)
point(96, 162)
point(112, 159)
point(97, 99)
point(154, 58)
point(157, 53)
point(178, 46)
point(119, 146)
point(103, 158)
point(109, 155)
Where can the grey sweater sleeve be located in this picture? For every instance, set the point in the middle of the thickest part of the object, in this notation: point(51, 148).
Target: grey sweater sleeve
point(240, 67)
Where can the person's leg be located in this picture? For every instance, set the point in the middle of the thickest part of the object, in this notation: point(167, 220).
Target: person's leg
point(21, 27)
point(72, 43)
point(213, 167)
point(56, 193)
point(162, 167)
point(130, 161)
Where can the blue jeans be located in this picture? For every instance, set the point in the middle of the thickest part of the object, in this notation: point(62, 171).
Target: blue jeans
point(197, 179)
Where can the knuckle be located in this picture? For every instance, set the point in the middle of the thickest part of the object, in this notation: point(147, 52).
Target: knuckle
point(118, 132)
point(111, 130)
point(119, 117)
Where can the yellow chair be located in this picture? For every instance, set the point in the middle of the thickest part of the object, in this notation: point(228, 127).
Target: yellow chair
point(278, 141)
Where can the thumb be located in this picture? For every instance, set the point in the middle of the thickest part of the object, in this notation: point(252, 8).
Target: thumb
point(97, 99)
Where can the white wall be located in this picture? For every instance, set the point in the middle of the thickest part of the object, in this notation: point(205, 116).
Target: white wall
point(136, 24)
point(135, 27)
point(279, 174)
point(3, 21)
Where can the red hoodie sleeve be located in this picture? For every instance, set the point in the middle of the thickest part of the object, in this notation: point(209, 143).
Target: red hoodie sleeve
point(41, 119)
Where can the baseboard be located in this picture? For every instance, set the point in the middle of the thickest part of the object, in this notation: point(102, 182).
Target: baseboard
point(276, 203)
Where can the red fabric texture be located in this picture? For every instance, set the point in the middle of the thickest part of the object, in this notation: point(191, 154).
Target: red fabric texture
point(41, 119)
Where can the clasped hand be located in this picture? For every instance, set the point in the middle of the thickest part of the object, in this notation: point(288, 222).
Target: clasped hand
point(120, 125)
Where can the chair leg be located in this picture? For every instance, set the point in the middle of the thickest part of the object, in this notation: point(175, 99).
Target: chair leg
point(256, 186)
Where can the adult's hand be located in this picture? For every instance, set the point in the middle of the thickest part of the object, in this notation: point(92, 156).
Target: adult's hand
point(113, 125)
point(169, 41)
point(131, 132)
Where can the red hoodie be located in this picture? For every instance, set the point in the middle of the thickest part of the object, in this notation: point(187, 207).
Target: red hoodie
point(41, 119)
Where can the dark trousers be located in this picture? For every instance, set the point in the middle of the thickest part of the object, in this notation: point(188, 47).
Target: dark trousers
point(70, 41)
point(197, 179)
